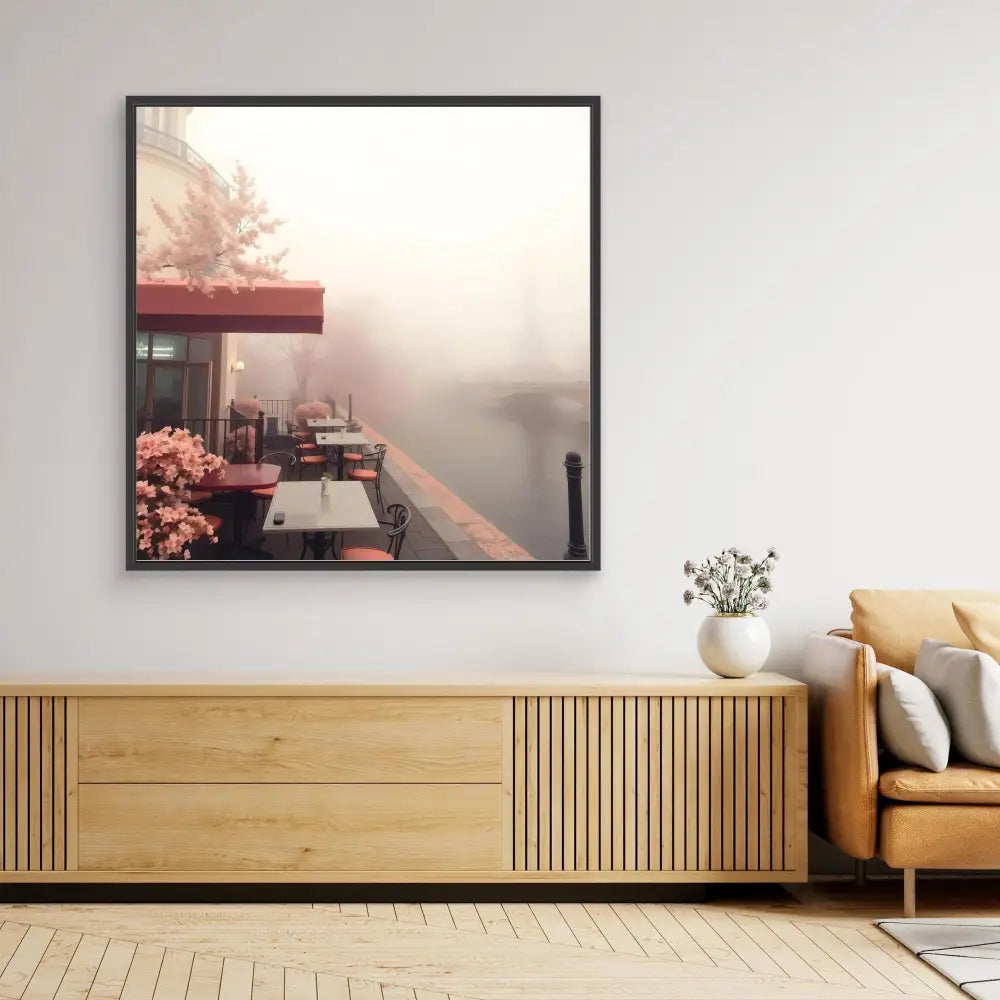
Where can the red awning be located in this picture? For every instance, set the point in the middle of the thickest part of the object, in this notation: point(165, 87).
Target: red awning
point(272, 307)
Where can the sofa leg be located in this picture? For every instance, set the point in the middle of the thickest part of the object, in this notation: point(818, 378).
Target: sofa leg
point(860, 872)
point(909, 892)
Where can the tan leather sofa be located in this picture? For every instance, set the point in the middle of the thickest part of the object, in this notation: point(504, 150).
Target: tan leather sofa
point(860, 799)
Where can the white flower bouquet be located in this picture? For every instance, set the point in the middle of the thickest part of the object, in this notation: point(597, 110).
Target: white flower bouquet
point(731, 582)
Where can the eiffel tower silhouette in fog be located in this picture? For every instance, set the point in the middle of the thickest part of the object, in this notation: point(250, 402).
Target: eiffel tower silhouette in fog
point(535, 357)
point(530, 405)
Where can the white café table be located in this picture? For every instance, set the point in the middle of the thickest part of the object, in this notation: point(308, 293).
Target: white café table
point(345, 507)
point(341, 440)
point(315, 422)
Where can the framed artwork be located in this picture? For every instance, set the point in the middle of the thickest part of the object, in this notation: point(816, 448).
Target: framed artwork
point(363, 333)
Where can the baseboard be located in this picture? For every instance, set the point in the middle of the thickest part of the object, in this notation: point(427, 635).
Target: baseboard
point(352, 893)
point(896, 875)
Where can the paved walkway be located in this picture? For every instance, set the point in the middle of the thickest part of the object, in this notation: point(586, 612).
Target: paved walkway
point(442, 526)
point(421, 542)
point(463, 529)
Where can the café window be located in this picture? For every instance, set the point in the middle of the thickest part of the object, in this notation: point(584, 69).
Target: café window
point(173, 380)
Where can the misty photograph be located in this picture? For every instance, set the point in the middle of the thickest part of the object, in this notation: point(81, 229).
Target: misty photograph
point(363, 334)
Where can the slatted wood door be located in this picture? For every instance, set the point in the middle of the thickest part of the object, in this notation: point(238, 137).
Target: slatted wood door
point(39, 783)
point(645, 784)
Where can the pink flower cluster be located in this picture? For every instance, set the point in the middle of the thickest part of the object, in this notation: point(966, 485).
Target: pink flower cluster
point(311, 411)
point(241, 445)
point(210, 237)
point(174, 457)
point(248, 406)
point(165, 530)
point(167, 462)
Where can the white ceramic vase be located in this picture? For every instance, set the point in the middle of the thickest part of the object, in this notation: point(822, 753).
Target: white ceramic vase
point(733, 645)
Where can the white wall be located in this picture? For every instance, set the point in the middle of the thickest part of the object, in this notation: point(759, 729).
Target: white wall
point(800, 255)
point(229, 383)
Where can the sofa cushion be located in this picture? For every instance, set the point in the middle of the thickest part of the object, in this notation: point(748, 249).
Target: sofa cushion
point(895, 622)
point(912, 725)
point(961, 784)
point(967, 683)
point(938, 835)
point(980, 621)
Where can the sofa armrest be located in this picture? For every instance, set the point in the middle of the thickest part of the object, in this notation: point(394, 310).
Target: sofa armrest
point(843, 746)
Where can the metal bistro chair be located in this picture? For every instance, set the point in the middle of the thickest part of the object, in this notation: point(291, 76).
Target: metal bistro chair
point(309, 453)
point(198, 497)
point(400, 515)
point(286, 460)
point(362, 474)
point(355, 456)
point(240, 444)
point(208, 551)
point(302, 438)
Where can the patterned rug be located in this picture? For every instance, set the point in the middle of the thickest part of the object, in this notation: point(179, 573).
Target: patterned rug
point(967, 951)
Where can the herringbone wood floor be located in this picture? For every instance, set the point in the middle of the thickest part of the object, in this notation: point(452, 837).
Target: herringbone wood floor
point(820, 946)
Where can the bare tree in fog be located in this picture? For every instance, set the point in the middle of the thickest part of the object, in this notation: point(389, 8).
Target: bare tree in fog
point(303, 354)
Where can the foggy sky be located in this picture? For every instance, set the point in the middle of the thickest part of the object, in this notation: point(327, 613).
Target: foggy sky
point(459, 235)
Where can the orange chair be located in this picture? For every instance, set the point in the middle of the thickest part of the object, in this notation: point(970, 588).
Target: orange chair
point(200, 496)
point(400, 515)
point(303, 438)
point(287, 462)
point(204, 549)
point(362, 474)
point(311, 461)
point(284, 459)
point(355, 456)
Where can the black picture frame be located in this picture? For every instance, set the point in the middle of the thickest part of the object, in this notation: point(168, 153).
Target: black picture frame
point(593, 563)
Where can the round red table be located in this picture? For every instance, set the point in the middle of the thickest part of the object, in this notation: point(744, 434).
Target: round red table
point(242, 480)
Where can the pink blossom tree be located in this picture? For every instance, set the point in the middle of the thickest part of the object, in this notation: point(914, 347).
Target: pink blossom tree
point(241, 445)
point(167, 462)
point(303, 354)
point(247, 406)
point(211, 237)
point(305, 412)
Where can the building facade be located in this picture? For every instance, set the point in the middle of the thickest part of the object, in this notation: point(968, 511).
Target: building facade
point(177, 376)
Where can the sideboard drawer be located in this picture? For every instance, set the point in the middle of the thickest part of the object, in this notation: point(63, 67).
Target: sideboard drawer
point(324, 740)
point(266, 828)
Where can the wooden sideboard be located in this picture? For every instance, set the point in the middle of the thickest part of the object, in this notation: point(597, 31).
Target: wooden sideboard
point(568, 778)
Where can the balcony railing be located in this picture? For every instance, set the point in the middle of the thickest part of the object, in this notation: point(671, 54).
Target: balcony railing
point(168, 143)
point(279, 413)
point(236, 438)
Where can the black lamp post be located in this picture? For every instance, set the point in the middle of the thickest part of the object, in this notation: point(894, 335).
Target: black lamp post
point(577, 547)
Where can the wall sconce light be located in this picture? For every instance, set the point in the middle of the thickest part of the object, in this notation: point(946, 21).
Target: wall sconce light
point(237, 366)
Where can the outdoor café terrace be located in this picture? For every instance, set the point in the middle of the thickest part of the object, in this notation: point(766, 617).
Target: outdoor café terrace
point(343, 493)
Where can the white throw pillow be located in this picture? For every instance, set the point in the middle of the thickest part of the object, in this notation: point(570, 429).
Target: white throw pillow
point(967, 683)
point(911, 723)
